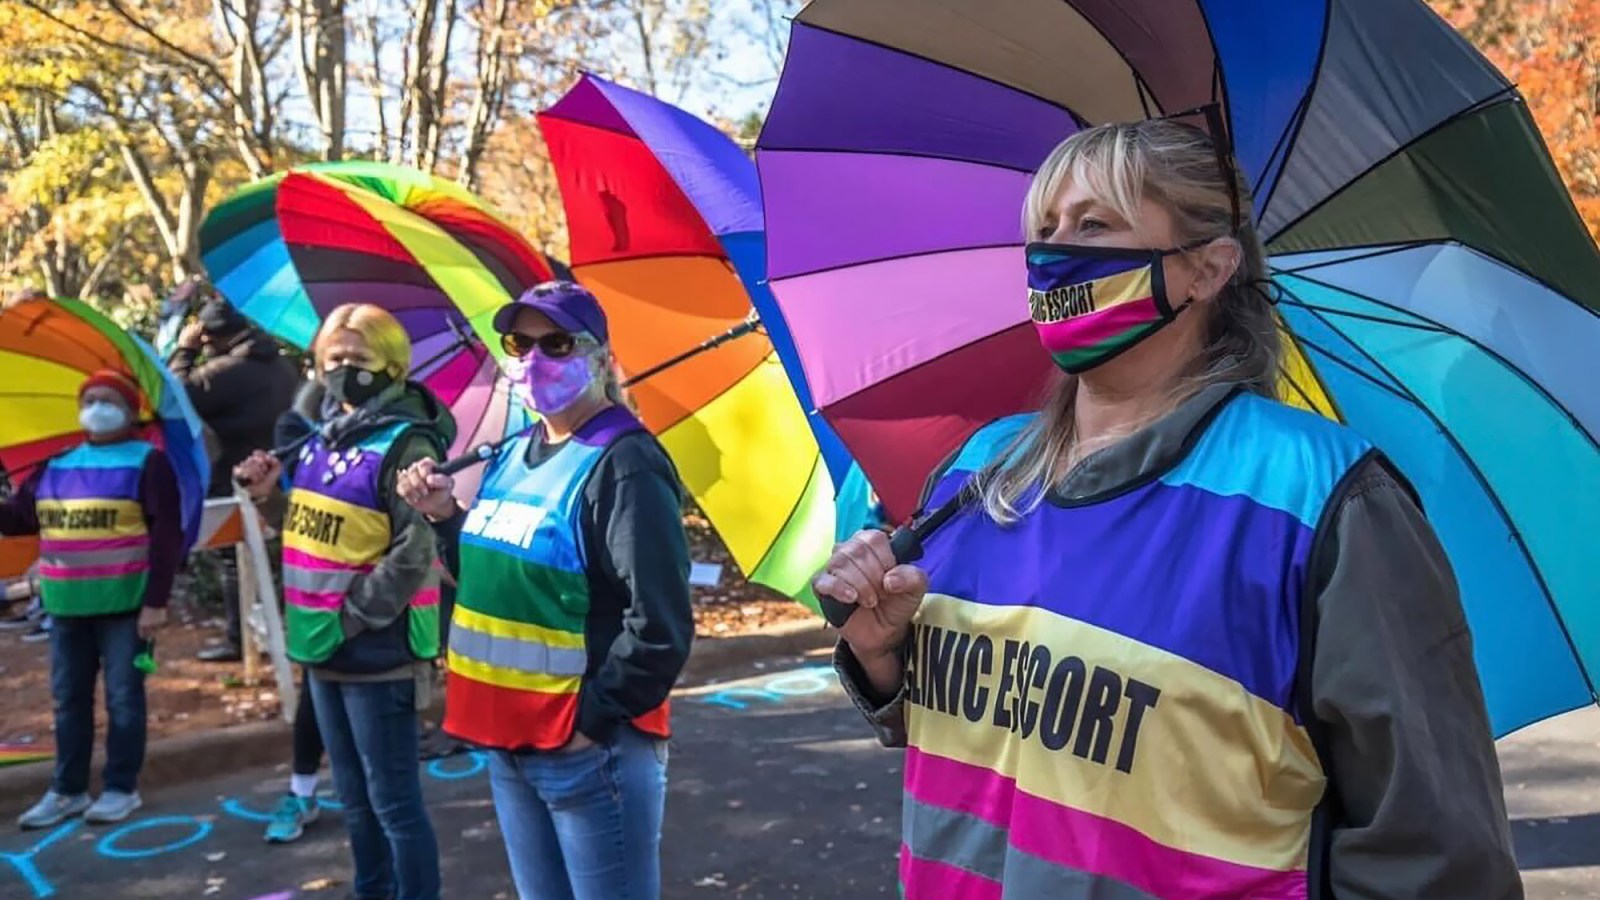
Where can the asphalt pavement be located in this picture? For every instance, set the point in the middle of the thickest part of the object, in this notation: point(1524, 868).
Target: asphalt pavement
point(778, 792)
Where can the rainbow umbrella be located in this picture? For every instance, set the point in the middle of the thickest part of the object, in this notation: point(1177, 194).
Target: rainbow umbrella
point(666, 229)
point(290, 248)
point(47, 349)
point(1438, 288)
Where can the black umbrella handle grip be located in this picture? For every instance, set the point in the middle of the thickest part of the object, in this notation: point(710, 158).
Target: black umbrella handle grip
point(479, 454)
point(905, 544)
point(281, 454)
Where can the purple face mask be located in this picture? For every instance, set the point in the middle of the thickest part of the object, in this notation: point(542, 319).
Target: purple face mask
point(548, 386)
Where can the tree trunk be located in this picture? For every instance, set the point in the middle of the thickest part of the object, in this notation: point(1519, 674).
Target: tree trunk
point(493, 75)
point(431, 134)
point(319, 35)
point(416, 112)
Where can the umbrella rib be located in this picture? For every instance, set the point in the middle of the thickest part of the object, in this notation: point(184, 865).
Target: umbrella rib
point(1483, 348)
point(1505, 95)
point(1333, 310)
point(1282, 146)
point(1310, 404)
point(1477, 473)
point(1377, 251)
point(793, 511)
point(1333, 403)
point(1299, 122)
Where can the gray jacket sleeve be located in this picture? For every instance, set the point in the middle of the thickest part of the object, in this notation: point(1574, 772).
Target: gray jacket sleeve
point(1396, 691)
point(379, 597)
point(887, 715)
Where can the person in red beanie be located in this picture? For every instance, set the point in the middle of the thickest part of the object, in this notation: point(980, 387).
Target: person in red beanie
point(110, 529)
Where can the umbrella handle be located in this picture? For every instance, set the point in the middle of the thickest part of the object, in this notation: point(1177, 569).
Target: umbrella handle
point(479, 454)
point(905, 544)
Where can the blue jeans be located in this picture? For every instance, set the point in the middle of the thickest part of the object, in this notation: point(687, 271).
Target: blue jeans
point(584, 825)
point(79, 647)
point(370, 728)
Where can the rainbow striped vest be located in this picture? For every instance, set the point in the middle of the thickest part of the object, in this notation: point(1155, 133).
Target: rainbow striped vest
point(336, 528)
point(518, 653)
point(1101, 697)
point(94, 544)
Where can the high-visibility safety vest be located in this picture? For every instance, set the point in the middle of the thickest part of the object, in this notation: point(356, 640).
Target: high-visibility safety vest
point(518, 653)
point(94, 542)
point(1101, 697)
point(337, 528)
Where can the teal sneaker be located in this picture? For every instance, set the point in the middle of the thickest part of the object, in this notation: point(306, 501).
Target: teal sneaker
point(289, 821)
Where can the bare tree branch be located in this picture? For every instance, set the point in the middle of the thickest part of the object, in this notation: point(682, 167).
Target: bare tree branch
point(493, 78)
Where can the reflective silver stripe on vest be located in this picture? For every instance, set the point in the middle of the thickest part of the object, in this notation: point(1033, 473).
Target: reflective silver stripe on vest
point(510, 653)
point(969, 843)
point(318, 581)
point(115, 556)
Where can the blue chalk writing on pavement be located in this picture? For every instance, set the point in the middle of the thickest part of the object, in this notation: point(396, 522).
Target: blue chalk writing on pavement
point(198, 830)
point(443, 770)
point(802, 682)
point(23, 862)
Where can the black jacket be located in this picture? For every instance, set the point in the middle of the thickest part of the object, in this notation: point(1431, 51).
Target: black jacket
point(238, 394)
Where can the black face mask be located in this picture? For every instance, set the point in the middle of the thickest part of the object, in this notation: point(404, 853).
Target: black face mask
point(354, 386)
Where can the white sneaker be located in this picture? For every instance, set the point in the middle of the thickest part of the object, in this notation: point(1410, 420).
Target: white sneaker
point(52, 810)
point(113, 806)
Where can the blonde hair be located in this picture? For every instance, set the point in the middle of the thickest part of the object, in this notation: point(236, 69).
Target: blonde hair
point(383, 334)
point(1175, 165)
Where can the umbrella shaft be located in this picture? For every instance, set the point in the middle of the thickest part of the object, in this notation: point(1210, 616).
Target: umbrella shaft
point(743, 328)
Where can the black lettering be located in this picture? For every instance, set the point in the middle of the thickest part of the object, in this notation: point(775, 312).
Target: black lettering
point(1105, 695)
point(1024, 653)
point(929, 637)
point(1037, 671)
point(958, 671)
point(319, 526)
point(1002, 699)
point(944, 647)
point(975, 700)
point(1141, 697)
point(1061, 303)
point(1061, 701)
point(913, 671)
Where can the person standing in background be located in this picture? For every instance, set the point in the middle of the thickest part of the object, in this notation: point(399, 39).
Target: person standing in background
point(361, 586)
point(110, 532)
point(239, 383)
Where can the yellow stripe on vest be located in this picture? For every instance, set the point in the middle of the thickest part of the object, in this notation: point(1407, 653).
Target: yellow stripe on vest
point(334, 530)
point(1095, 721)
point(517, 631)
point(91, 519)
point(512, 678)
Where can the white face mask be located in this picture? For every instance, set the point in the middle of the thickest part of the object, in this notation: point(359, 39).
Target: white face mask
point(101, 418)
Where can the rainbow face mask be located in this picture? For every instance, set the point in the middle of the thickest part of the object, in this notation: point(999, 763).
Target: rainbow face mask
point(1092, 303)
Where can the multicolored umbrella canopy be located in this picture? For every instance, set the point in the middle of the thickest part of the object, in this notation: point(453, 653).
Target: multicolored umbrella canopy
point(666, 228)
point(1438, 287)
point(289, 249)
point(47, 349)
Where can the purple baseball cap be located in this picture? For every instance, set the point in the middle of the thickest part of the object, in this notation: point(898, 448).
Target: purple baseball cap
point(568, 304)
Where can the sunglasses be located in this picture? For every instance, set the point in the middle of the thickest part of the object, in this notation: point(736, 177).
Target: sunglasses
point(555, 345)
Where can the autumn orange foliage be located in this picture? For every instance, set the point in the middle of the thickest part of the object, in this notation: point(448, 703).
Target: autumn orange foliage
point(1551, 50)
